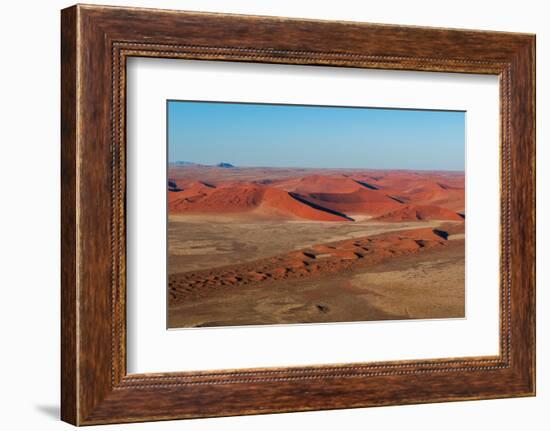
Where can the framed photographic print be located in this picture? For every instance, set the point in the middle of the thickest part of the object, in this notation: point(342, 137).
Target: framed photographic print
point(264, 214)
point(296, 226)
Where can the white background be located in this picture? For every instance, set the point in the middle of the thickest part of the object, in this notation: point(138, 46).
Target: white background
point(29, 223)
point(151, 348)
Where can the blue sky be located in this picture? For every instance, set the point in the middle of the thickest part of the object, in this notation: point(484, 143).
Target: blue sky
point(315, 137)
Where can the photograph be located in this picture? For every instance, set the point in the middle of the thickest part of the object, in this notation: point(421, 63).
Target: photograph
point(302, 214)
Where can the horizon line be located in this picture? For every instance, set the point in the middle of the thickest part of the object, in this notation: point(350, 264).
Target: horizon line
point(302, 167)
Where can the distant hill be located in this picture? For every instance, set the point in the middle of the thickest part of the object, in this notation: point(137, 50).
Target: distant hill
point(224, 165)
point(183, 163)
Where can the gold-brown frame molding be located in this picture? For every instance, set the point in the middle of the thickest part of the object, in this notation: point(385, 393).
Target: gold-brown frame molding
point(96, 41)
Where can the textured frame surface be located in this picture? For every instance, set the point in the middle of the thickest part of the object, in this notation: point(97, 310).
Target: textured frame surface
point(96, 41)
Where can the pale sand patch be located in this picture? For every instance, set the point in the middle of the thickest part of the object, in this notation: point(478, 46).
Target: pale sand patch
point(419, 286)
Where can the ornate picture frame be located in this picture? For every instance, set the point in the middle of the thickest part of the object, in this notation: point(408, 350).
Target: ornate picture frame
point(96, 41)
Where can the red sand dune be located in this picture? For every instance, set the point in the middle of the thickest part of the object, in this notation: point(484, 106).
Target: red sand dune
point(246, 198)
point(360, 201)
point(424, 189)
point(419, 212)
point(187, 195)
point(326, 196)
point(376, 196)
point(436, 194)
point(318, 260)
point(285, 203)
point(322, 184)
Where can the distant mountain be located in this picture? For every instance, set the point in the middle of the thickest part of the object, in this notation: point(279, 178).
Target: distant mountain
point(224, 165)
point(183, 163)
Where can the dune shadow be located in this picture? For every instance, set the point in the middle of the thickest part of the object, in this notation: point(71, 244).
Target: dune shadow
point(319, 207)
point(441, 233)
point(397, 199)
point(173, 187)
point(367, 185)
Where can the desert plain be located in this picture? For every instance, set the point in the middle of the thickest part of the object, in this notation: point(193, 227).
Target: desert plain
point(256, 246)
